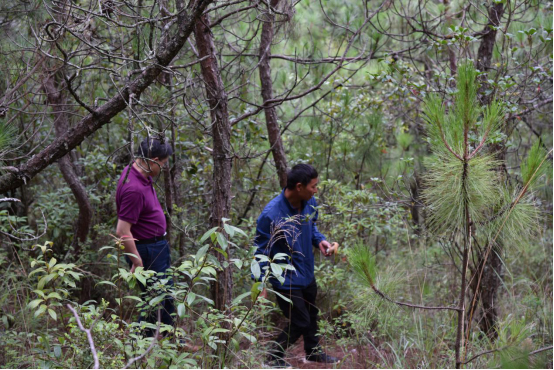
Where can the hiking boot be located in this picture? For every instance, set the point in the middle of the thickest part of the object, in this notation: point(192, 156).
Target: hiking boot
point(323, 358)
point(274, 362)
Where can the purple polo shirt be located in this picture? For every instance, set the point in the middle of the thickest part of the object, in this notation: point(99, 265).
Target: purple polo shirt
point(138, 204)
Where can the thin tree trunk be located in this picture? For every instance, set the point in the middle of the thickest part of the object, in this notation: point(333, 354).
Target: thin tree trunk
point(58, 102)
point(486, 47)
point(487, 292)
point(491, 279)
point(221, 132)
point(467, 248)
point(415, 202)
point(273, 130)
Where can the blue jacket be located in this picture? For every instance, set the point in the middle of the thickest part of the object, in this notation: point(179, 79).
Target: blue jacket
point(277, 232)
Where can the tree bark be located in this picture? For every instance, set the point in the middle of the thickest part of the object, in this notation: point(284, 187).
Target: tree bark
point(273, 129)
point(165, 52)
point(487, 292)
point(57, 100)
point(221, 132)
point(486, 47)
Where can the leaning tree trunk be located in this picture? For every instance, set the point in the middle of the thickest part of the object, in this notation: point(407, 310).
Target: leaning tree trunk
point(273, 129)
point(221, 132)
point(491, 268)
point(57, 101)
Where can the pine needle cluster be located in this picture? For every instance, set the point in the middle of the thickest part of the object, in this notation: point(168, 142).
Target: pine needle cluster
point(463, 176)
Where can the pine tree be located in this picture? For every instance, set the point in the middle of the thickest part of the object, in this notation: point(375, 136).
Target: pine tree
point(466, 199)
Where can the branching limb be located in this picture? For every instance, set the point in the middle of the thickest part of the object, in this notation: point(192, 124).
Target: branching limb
point(88, 332)
point(387, 298)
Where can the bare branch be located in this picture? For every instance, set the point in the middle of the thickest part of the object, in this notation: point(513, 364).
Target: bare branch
point(89, 336)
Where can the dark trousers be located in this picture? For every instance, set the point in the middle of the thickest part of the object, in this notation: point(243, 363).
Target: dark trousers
point(302, 315)
point(156, 257)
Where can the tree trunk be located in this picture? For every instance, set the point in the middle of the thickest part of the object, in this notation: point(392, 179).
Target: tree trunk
point(57, 101)
point(273, 129)
point(484, 54)
point(415, 186)
point(492, 270)
point(221, 132)
point(491, 280)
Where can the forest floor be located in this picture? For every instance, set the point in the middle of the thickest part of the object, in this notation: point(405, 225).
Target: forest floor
point(352, 359)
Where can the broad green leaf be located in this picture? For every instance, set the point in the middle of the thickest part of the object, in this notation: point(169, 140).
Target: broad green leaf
point(208, 233)
point(222, 241)
point(201, 252)
point(255, 290)
point(209, 270)
point(53, 314)
point(34, 303)
point(181, 309)
point(133, 298)
point(240, 298)
point(251, 338)
point(40, 293)
point(140, 277)
point(58, 351)
point(280, 295)
point(262, 258)
point(206, 299)
point(255, 268)
point(224, 255)
point(238, 263)
point(41, 310)
point(55, 295)
point(190, 298)
point(156, 300)
point(276, 269)
point(36, 271)
point(45, 279)
point(229, 230)
point(281, 256)
point(238, 230)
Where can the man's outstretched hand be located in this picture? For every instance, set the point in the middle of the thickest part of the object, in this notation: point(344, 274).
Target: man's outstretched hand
point(327, 248)
point(324, 246)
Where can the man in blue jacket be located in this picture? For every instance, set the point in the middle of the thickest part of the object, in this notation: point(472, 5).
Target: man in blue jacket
point(288, 225)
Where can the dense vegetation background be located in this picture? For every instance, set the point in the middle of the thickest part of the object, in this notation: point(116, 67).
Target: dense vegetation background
point(430, 123)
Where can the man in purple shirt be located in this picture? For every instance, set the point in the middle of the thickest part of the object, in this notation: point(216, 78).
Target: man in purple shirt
point(141, 222)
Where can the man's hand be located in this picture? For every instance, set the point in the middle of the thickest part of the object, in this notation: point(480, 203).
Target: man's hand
point(124, 232)
point(323, 246)
point(136, 263)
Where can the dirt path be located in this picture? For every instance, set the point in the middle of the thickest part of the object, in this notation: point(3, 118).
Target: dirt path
point(353, 358)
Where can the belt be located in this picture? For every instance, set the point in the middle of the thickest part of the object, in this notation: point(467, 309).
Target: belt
point(150, 240)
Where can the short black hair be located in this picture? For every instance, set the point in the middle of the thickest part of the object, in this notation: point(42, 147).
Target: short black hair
point(301, 173)
point(154, 148)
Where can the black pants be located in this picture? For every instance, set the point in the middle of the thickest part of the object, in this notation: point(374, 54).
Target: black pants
point(302, 315)
point(155, 257)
